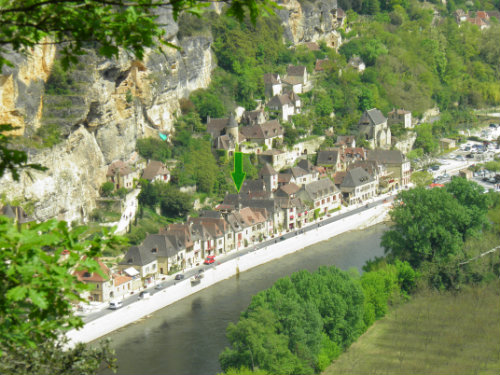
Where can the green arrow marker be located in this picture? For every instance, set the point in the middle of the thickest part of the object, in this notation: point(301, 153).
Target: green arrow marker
point(238, 174)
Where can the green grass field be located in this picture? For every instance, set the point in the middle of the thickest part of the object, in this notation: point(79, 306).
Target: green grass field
point(432, 334)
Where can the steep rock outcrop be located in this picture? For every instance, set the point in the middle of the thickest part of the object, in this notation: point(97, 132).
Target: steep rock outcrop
point(103, 108)
point(310, 21)
point(67, 190)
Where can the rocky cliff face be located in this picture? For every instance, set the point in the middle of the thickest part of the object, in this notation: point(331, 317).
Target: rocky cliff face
point(310, 21)
point(100, 108)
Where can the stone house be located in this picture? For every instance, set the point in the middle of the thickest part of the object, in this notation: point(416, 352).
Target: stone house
point(102, 284)
point(299, 175)
point(330, 160)
point(297, 79)
point(264, 134)
point(144, 261)
point(283, 106)
point(156, 171)
point(218, 238)
point(346, 140)
point(373, 126)
point(121, 175)
point(321, 195)
point(357, 186)
point(256, 117)
point(397, 166)
point(272, 85)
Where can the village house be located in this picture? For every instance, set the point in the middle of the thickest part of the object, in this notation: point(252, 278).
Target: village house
point(377, 171)
point(156, 171)
point(330, 160)
point(144, 261)
point(346, 140)
point(284, 106)
point(400, 116)
point(102, 284)
point(357, 186)
point(264, 134)
point(321, 65)
point(218, 237)
point(225, 133)
point(321, 196)
point(256, 117)
point(397, 166)
point(288, 190)
point(272, 85)
point(296, 79)
point(299, 175)
point(373, 126)
point(294, 212)
point(121, 175)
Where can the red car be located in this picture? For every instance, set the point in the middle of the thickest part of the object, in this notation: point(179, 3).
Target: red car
point(210, 259)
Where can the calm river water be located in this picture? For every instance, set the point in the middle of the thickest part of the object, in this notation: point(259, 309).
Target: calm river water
point(187, 337)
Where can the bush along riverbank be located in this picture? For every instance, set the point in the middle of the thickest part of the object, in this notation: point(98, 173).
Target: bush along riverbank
point(305, 321)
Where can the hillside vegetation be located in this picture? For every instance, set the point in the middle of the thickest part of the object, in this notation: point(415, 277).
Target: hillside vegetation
point(435, 333)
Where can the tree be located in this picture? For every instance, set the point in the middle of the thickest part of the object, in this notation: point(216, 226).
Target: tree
point(421, 178)
point(153, 149)
point(37, 292)
point(431, 225)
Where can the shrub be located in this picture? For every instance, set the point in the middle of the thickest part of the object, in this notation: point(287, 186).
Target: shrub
point(107, 189)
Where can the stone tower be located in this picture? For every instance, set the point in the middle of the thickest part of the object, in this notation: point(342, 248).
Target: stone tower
point(232, 129)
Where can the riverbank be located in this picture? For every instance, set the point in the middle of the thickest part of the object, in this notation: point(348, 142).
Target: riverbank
point(135, 311)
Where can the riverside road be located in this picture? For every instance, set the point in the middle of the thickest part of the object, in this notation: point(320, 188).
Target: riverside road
point(235, 254)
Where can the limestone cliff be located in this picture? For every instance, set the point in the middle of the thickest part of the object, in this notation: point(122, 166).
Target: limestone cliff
point(100, 108)
point(310, 21)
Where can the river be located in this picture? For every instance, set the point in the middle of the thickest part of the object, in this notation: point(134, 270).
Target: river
point(187, 337)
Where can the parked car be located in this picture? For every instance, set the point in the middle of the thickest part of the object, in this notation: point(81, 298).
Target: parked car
point(115, 305)
point(470, 156)
point(179, 276)
point(144, 295)
point(210, 259)
point(159, 286)
point(435, 167)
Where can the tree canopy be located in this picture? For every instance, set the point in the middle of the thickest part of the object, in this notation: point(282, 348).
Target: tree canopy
point(38, 290)
point(432, 224)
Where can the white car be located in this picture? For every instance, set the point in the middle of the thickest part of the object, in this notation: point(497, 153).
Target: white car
point(115, 305)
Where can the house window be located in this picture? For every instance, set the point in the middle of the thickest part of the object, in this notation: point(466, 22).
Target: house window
point(322, 201)
point(328, 199)
point(154, 267)
point(97, 286)
point(317, 204)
